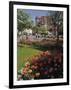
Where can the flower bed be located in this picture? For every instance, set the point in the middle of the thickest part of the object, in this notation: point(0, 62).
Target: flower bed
point(45, 65)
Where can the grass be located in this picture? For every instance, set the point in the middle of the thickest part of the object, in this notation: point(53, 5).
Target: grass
point(23, 53)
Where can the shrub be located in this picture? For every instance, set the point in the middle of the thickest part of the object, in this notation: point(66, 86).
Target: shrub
point(43, 66)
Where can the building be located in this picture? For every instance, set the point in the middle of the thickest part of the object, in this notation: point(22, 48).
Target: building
point(45, 21)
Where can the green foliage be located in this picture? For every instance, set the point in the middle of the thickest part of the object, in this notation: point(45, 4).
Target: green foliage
point(24, 53)
point(57, 17)
point(43, 29)
point(35, 29)
point(23, 20)
point(40, 29)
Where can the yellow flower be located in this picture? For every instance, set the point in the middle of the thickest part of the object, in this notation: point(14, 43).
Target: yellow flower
point(27, 64)
point(30, 71)
point(35, 55)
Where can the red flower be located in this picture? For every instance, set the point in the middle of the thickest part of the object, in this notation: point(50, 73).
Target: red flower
point(34, 58)
point(40, 64)
point(35, 64)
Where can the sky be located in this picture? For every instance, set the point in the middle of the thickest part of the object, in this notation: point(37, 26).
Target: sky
point(35, 13)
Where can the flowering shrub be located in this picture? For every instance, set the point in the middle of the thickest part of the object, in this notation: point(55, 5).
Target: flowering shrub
point(43, 66)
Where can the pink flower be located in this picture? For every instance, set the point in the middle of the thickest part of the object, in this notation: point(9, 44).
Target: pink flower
point(47, 53)
point(46, 72)
point(34, 67)
point(35, 64)
point(37, 74)
point(24, 71)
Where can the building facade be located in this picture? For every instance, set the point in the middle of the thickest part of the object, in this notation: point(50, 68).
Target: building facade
point(45, 21)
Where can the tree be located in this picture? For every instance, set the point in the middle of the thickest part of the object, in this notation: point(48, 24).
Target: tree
point(35, 29)
point(23, 20)
point(39, 29)
point(57, 18)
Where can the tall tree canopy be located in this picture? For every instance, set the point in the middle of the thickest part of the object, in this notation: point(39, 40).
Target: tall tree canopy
point(57, 17)
point(23, 20)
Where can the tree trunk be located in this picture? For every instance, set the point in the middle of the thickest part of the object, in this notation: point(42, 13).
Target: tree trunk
point(57, 44)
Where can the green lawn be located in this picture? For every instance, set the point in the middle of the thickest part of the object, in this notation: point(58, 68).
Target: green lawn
point(23, 53)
